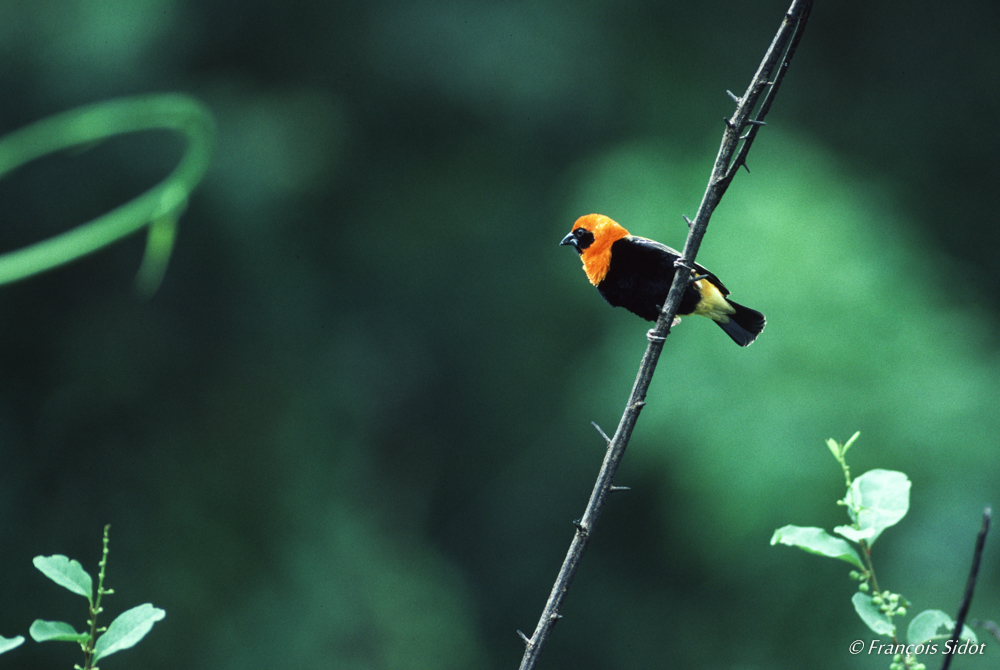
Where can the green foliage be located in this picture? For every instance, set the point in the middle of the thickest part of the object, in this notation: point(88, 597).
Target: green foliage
point(875, 501)
point(931, 625)
point(127, 629)
point(55, 631)
point(8, 643)
point(124, 632)
point(817, 541)
point(67, 573)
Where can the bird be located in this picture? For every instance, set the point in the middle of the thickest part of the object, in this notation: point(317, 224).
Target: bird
point(636, 273)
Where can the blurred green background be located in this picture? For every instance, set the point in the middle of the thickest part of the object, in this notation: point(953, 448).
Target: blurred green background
point(352, 428)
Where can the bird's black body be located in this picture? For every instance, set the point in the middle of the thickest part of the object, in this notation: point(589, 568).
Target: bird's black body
point(641, 275)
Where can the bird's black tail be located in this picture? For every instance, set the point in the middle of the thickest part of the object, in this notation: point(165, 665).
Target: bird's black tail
point(744, 326)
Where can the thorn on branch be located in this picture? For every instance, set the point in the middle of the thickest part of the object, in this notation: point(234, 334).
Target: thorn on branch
point(580, 528)
point(603, 434)
point(734, 97)
point(527, 640)
point(729, 123)
point(755, 122)
point(688, 221)
point(743, 165)
point(619, 488)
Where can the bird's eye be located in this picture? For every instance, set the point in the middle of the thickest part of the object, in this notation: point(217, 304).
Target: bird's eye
point(584, 238)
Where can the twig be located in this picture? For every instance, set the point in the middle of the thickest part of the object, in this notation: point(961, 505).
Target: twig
point(781, 50)
point(970, 586)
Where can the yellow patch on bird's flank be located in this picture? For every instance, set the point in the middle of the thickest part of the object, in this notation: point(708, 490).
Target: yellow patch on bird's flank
point(712, 304)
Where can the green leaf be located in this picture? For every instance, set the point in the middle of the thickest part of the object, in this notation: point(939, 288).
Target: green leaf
point(834, 448)
point(817, 541)
point(126, 630)
point(8, 643)
point(55, 631)
point(853, 534)
point(67, 573)
point(877, 500)
point(871, 615)
point(935, 625)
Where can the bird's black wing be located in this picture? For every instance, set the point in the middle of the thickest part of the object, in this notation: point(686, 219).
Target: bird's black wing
point(643, 244)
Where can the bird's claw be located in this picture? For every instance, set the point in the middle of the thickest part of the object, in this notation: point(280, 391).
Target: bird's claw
point(683, 263)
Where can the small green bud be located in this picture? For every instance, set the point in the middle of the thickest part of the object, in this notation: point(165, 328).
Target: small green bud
point(863, 587)
point(854, 574)
point(901, 611)
point(876, 600)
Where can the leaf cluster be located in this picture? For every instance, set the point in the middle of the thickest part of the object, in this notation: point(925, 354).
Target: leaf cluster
point(875, 501)
point(124, 632)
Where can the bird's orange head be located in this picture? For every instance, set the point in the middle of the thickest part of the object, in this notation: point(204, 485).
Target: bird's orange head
point(592, 237)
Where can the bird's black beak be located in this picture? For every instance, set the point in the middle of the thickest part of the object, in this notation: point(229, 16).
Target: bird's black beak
point(570, 240)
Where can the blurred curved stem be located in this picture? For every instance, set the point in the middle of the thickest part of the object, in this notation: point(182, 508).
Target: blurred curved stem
point(163, 203)
point(731, 155)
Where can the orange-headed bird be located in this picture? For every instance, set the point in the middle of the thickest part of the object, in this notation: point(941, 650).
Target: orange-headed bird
point(636, 273)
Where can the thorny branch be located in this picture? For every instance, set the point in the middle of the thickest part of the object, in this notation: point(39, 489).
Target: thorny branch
point(732, 154)
point(970, 586)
